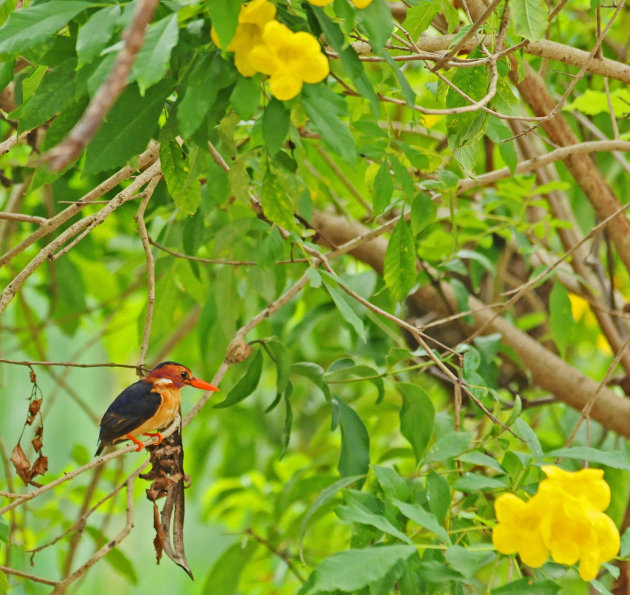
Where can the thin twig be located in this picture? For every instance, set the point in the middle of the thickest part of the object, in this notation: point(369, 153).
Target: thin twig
point(30, 577)
point(280, 554)
point(24, 218)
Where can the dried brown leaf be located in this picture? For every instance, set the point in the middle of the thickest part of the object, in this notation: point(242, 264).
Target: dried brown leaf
point(158, 541)
point(37, 443)
point(33, 410)
point(40, 466)
point(21, 463)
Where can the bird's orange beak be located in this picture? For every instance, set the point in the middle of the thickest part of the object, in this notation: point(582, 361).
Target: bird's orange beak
point(202, 384)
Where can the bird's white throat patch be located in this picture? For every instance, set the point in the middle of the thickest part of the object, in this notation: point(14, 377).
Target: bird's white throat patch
point(163, 382)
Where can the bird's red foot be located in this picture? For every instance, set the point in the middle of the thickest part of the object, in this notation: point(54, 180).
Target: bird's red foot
point(136, 442)
point(153, 435)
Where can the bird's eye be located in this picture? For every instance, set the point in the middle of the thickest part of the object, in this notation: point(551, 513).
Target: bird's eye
point(184, 375)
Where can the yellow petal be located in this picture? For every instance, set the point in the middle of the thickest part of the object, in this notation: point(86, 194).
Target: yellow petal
point(589, 567)
point(322, 2)
point(258, 12)
point(533, 551)
point(508, 508)
point(503, 540)
point(361, 3)
point(284, 87)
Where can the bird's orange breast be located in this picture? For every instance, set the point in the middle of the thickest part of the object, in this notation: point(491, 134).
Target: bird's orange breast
point(165, 413)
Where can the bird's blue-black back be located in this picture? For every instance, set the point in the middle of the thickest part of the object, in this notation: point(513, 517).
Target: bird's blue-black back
point(130, 409)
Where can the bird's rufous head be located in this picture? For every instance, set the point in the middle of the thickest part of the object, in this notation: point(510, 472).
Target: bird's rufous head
point(176, 374)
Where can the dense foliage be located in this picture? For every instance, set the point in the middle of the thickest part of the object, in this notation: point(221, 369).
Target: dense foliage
point(396, 235)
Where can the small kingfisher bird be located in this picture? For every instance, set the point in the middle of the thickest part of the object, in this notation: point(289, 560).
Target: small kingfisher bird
point(151, 403)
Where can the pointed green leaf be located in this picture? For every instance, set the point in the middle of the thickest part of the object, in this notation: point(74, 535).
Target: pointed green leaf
point(314, 373)
point(127, 128)
point(224, 15)
point(400, 261)
point(448, 446)
point(383, 189)
point(376, 20)
point(275, 125)
point(416, 417)
point(246, 385)
point(225, 573)
point(28, 27)
point(181, 176)
point(353, 570)
point(355, 442)
point(425, 519)
point(355, 512)
point(439, 495)
point(95, 34)
point(561, 321)
point(323, 107)
point(530, 18)
point(154, 57)
point(345, 305)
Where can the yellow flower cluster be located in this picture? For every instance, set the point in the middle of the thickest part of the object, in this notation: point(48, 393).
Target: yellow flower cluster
point(262, 44)
point(564, 518)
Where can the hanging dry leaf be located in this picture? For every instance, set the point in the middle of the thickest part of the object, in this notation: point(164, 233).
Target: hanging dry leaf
point(169, 480)
point(40, 466)
point(21, 463)
point(33, 410)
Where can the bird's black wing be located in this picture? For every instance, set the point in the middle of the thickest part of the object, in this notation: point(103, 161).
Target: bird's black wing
point(130, 409)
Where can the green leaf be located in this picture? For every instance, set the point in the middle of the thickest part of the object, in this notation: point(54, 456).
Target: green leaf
point(344, 304)
point(95, 34)
point(355, 512)
point(181, 176)
point(425, 519)
point(478, 458)
point(127, 129)
point(70, 300)
point(466, 561)
point(28, 27)
point(122, 564)
point(314, 373)
point(245, 97)
point(423, 212)
point(529, 18)
point(355, 569)
point(448, 446)
point(275, 125)
point(225, 573)
point(529, 436)
point(474, 482)
point(561, 321)
point(323, 107)
point(419, 17)
point(246, 385)
point(4, 583)
point(57, 90)
point(282, 359)
point(322, 499)
point(154, 57)
point(405, 87)
point(394, 486)
point(224, 16)
point(276, 202)
point(383, 189)
point(465, 129)
point(439, 495)
point(376, 21)
point(4, 531)
point(610, 458)
point(210, 74)
point(416, 417)
point(270, 249)
point(400, 261)
point(527, 586)
point(354, 67)
point(401, 175)
point(355, 442)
